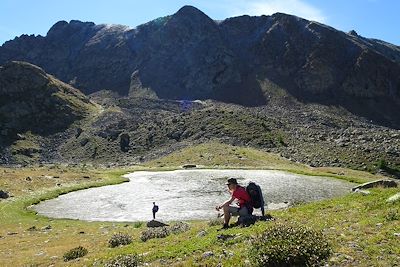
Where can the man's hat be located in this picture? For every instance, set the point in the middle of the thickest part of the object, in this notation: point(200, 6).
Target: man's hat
point(231, 181)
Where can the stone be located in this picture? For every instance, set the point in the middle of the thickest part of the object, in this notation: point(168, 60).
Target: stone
point(47, 227)
point(202, 233)
point(207, 254)
point(394, 198)
point(362, 192)
point(84, 141)
point(226, 253)
point(28, 179)
point(4, 194)
point(32, 228)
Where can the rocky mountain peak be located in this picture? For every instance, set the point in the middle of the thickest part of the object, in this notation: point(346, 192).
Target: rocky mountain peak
point(74, 29)
point(191, 18)
point(63, 25)
point(190, 12)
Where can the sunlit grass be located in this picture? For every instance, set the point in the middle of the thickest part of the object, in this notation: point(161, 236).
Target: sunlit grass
point(360, 228)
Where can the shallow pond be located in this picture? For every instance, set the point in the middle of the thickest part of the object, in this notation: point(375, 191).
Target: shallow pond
point(185, 195)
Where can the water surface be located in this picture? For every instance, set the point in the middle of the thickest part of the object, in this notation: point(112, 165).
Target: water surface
point(185, 194)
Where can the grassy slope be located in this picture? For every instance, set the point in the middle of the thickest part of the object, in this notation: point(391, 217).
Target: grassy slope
point(349, 222)
point(217, 155)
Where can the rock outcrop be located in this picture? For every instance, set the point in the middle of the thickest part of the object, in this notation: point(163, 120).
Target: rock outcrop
point(31, 100)
point(154, 224)
point(244, 60)
point(378, 183)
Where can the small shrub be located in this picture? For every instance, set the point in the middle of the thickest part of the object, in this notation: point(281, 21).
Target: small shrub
point(382, 164)
point(131, 260)
point(159, 232)
point(392, 215)
point(281, 141)
point(119, 239)
point(283, 245)
point(179, 227)
point(75, 253)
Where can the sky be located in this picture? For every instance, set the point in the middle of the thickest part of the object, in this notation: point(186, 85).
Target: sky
point(378, 19)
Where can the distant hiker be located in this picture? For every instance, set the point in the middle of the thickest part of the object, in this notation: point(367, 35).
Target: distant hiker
point(238, 192)
point(155, 209)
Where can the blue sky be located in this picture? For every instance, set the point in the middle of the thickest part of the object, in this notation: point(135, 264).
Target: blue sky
point(370, 18)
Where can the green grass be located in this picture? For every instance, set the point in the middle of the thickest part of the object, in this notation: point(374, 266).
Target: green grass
point(360, 228)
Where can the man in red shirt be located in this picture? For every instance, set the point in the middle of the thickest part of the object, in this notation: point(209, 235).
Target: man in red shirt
point(238, 192)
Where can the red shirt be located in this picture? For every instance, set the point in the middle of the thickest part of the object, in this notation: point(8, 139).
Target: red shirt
point(241, 194)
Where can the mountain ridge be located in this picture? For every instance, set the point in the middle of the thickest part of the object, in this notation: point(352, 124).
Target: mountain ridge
point(188, 55)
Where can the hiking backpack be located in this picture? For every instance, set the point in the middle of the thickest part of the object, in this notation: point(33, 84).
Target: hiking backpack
point(255, 194)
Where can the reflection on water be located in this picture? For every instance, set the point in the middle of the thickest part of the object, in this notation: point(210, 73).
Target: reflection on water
point(184, 194)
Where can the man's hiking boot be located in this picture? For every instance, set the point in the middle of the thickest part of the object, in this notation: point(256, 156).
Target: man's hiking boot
point(226, 226)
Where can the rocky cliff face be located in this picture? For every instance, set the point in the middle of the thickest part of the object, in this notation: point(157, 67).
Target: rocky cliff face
point(31, 100)
point(240, 60)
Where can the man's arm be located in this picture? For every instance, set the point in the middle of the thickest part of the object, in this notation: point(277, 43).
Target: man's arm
point(226, 203)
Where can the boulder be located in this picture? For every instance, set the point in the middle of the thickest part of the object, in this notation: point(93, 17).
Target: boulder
point(378, 183)
point(154, 224)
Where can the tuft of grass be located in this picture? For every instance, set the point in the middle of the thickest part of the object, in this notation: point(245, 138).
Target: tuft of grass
point(159, 232)
point(130, 260)
point(75, 253)
point(119, 239)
